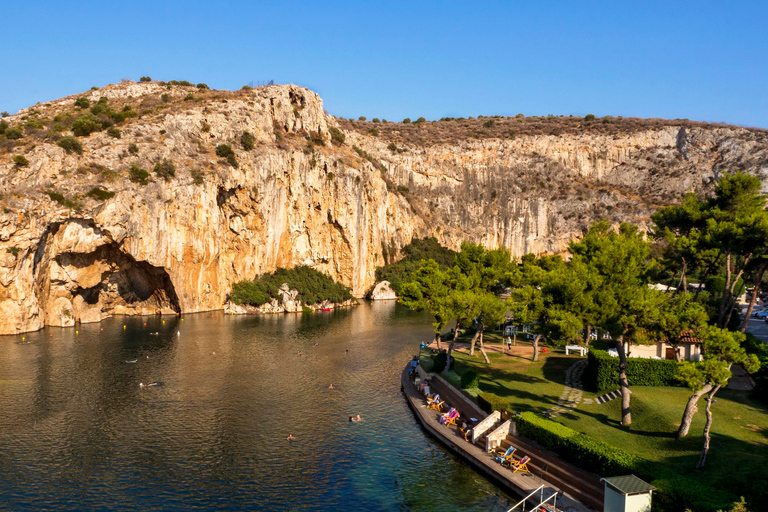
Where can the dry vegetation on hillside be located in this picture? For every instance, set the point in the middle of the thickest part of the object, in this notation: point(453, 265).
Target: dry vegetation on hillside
point(453, 130)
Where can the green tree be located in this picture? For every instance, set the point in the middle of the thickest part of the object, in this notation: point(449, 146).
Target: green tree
point(629, 309)
point(429, 292)
point(721, 350)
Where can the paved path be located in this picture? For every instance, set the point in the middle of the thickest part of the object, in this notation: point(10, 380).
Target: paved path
point(573, 392)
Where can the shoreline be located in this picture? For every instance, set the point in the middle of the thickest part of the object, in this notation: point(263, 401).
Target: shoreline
point(166, 314)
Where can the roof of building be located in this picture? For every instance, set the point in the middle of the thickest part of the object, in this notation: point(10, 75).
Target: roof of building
point(629, 484)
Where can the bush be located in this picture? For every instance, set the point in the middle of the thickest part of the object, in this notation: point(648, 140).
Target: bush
point(114, 132)
point(138, 175)
point(439, 361)
point(490, 402)
point(470, 378)
point(577, 448)
point(407, 120)
point(197, 177)
point(225, 151)
point(20, 161)
point(375, 120)
point(589, 117)
point(165, 169)
point(189, 97)
point(86, 124)
point(202, 86)
point(165, 98)
point(70, 145)
point(3, 126)
point(313, 287)
point(145, 79)
point(100, 193)
point(13, 133)
point(247, 141)
point(337, 136)
point(420, 120)
point(82, 102)
point(602, 372)
point(133, 149)
point(55, 196)
point(361, 118)
point(374, 132)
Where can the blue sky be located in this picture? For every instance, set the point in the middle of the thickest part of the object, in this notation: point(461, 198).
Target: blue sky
point(701, 60)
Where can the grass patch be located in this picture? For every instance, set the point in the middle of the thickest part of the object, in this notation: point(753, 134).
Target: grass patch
point(739, 432)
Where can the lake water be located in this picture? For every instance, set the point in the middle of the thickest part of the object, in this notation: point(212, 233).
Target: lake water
point(78, 433)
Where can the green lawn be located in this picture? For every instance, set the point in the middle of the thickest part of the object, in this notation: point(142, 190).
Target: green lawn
point(738, 460)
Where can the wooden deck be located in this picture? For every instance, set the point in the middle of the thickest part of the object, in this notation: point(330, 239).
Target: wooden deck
point(553, 474)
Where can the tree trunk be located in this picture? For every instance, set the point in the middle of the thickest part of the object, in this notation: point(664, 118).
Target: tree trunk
point(626, 412)
point(587, 334)
point(514, 337)
point(707, 426)
point(482, 347)
point(437, 340)
point(755, 292)
point(711, 266)
point(474, 340)
point(536, 347)
point(727, 301)
point(450, 347)
point(683, 284)
point(690, 410)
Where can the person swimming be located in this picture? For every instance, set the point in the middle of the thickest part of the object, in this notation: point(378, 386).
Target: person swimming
point(290, 437)
point(142, 385)
point(330, 386)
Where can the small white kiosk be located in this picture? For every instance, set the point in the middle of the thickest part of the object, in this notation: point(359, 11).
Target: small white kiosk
point(627, 494)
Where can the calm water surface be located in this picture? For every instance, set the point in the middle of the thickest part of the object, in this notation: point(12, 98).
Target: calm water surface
point(78, 433)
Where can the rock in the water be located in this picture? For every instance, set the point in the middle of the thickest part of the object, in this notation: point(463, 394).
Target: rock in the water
point(383, 291)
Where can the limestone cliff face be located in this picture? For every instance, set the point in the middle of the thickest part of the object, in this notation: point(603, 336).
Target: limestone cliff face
point(178, 243)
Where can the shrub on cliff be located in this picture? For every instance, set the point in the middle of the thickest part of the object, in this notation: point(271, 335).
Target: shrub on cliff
point(20, 161)
point(145, 79)
point(225, 151)
point(313, 287)
point(82, 102)
point(13, 133)
point(138, 175)
point(165, 169)
point(70, 145)
point(86, 125)
point(247, 141)
point(337, 136)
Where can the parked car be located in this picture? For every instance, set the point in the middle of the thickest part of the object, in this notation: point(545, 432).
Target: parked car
point(762, 314)
point(757, 311)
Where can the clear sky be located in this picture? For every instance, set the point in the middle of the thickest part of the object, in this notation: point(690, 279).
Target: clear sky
point(704, 60)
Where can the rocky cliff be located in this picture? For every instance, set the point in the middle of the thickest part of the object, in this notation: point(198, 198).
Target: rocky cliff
point(83, 235)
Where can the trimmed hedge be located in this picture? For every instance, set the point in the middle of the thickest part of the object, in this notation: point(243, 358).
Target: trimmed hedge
point(577, 448)
point(439, 361)
point(469, 378)
point(602, 372)
point(490, 402)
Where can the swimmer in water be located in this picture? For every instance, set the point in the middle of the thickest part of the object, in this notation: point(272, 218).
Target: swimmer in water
point(290, 437)
point(359, 418)
point(330, 387)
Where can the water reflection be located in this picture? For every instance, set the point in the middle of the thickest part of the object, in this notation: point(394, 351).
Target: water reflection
point(77, 431)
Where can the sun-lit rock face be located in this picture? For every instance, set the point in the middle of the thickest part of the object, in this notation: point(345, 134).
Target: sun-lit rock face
point(178, 243)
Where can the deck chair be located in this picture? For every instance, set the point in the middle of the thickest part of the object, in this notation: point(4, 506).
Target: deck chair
point(435, 403)
point(506, 457)
point(450, 417)
point(521, 465)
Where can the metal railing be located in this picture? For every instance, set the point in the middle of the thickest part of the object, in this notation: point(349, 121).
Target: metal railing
point(522, 502)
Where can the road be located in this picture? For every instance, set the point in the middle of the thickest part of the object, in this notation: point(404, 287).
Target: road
point(759, 328)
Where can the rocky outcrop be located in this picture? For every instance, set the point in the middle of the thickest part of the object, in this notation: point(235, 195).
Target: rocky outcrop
point(178, 243)
point(383, 291)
